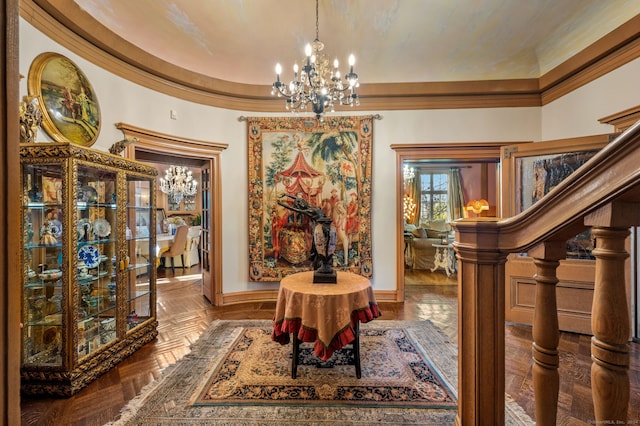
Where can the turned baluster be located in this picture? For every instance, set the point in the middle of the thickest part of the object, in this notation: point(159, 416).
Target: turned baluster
point(546, 335)
point(610, 320)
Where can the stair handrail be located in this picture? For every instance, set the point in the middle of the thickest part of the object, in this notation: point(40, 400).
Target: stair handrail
point(482, 244)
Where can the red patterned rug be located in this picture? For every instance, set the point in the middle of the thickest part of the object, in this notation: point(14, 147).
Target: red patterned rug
point(395, 372)
point(236, 375)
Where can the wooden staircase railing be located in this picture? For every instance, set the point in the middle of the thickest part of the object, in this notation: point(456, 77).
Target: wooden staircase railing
point(604, 195)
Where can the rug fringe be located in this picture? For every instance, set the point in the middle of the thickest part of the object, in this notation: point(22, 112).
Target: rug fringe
point(131, 408)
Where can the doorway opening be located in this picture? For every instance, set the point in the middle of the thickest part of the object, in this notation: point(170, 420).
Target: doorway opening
point(427, 160)
point(149, 146)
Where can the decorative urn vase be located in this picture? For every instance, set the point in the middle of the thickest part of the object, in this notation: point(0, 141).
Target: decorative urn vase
point(324, 240)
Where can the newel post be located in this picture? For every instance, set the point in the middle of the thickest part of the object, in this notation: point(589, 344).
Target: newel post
point(481, 370)
point(610, 319)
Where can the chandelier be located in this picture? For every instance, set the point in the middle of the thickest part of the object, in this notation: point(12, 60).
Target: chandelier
point(318, 84)
point(408, 208)
point(408, 173)
point(178, 182)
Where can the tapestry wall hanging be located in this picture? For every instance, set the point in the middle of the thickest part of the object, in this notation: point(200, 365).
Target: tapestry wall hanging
point(327, 164)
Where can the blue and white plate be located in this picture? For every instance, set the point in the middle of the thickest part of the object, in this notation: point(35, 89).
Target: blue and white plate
point(90, 256)
point(101, 228)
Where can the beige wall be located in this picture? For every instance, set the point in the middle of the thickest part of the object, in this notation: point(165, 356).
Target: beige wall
point(122, 101)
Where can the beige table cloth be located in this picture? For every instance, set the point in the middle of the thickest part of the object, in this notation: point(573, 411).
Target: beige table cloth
point(323, 313)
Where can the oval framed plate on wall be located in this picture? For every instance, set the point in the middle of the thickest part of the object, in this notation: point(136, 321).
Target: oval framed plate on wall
point(70, 109)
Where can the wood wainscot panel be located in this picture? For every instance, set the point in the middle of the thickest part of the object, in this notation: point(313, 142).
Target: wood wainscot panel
point(574, 293)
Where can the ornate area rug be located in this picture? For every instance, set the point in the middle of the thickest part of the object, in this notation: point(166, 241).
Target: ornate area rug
point(235, 374)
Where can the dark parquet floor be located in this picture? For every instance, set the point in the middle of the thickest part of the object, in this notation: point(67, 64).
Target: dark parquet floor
point(183, 314)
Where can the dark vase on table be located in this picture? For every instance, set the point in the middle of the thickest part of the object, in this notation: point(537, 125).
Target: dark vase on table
point(324, 240)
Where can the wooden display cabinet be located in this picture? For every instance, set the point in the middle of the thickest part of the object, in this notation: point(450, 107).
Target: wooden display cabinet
point(88, 272)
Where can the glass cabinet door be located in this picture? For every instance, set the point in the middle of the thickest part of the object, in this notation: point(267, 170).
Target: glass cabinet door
point(88, 257)
point(44, 270)
point(96, 234)
point(139, 250)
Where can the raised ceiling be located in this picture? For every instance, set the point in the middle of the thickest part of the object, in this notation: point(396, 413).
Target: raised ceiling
point(395, 41)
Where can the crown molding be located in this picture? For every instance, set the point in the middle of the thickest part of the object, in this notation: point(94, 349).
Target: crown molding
point(67, 24)
point(622, 120)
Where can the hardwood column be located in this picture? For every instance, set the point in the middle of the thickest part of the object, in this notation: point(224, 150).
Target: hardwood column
point(481, 300)
point(10, 226)
point(610, 320)
point(546, 335)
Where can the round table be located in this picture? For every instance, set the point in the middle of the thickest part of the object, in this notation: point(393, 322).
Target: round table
point(327, 314)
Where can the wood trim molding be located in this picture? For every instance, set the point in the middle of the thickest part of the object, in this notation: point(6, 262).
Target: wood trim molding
point(459, 152)
point(193, 147)
point(474, 151)
point(610, 62)
point(385, 295)
point(249, 297)
point(596, 52)
point(151, 141)
point(66, 23)
point(622, 120)
point(11, 228)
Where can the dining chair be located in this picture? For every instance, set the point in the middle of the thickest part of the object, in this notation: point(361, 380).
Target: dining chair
point(178, 246)
point(193, 242)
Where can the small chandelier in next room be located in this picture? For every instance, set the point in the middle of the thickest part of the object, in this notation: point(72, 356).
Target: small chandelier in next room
point(317, 84)
point(178, 182)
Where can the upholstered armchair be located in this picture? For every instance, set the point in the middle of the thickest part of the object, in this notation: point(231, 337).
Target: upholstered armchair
point(430, 233)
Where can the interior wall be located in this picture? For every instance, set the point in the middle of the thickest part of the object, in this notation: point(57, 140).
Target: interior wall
point(122, 101)
point(577, 113)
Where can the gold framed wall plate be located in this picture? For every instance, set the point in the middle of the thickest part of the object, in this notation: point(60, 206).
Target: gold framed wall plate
point(70, 109)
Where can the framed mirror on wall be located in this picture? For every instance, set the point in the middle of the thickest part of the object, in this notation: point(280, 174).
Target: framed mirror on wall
point(172, 206)
point(189, 203)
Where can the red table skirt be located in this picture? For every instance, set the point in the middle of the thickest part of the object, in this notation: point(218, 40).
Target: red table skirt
point(283, 328)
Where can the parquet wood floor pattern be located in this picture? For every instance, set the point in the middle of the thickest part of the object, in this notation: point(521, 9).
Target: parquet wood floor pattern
point(183, 314)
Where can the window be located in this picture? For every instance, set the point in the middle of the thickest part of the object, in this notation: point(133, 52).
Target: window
point(434, 199)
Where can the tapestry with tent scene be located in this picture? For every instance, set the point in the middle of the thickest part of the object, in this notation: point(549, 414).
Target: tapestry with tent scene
point(328, 165)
